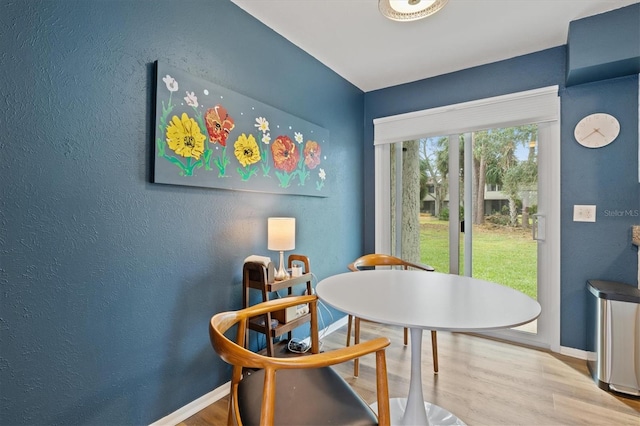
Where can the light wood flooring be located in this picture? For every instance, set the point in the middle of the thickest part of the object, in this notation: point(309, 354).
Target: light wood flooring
point(483, 382)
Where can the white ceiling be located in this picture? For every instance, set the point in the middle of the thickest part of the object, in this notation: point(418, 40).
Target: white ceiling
point(353, 39)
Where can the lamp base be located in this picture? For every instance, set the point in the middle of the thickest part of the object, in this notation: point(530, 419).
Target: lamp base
point(281, 274)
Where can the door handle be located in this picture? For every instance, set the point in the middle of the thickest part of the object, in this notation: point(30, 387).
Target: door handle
point(538, 227)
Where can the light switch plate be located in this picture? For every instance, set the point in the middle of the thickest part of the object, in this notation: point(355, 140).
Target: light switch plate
point(584, 213)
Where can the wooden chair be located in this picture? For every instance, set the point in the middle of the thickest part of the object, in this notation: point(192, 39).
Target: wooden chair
point(297, 390)
point(371, 261)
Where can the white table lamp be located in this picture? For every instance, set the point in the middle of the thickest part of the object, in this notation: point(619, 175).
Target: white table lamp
point(281, 236)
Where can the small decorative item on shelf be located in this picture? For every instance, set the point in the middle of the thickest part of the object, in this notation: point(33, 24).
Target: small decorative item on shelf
point(296, 271)
point(281, 236)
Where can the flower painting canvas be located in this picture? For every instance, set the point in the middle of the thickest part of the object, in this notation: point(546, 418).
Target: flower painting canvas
point(209, 136)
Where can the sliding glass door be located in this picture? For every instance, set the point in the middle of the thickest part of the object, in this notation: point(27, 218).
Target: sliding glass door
point(481, 203)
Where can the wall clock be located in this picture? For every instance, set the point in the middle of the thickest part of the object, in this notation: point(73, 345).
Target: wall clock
point(597, 130)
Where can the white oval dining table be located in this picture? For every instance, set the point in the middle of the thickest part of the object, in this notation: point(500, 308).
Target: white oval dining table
point(426, 300)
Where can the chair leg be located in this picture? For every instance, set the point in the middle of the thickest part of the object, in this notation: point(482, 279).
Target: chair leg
point(356, 340)
point(406, 336)
point(434, 349)
point(349, 329)
point(231, 419)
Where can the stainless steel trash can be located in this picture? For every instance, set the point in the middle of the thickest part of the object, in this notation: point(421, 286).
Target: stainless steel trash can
point(613, 336)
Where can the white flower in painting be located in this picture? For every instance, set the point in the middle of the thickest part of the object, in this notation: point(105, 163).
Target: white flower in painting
point(262, 124)
point(266, 138)
point(298, 137)
point(322, 174)
point(172, 84)
point(205, 91)
point(191, 99)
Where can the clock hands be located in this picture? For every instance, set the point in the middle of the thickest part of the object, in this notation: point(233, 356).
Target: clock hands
point(594, 131)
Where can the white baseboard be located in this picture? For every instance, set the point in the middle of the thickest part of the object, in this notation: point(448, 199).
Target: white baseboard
point(221, 391)
point(193, 407)
point(574, 353)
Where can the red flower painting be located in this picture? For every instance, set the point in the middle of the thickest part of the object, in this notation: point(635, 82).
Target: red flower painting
point(312, 154)
point(219, 124)
point(285, 154)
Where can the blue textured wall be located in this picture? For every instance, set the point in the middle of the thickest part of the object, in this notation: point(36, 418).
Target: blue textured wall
point(606, 177)
point(604, 46)
point(108, 281)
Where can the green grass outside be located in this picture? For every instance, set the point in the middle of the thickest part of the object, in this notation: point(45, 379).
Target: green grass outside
point(500, 254)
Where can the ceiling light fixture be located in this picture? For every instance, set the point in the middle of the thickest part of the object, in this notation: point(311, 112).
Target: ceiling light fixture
point(409, 10)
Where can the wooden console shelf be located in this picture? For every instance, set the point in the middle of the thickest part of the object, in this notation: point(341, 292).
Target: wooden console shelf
point(257, 276)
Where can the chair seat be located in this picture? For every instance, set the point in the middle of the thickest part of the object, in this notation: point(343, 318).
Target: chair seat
point(305, 397)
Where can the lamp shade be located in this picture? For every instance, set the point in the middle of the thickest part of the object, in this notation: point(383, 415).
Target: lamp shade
point(281, 233)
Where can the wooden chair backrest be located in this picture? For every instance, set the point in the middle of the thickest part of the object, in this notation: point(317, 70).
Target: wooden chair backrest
point(234, 353)
point(375, 259)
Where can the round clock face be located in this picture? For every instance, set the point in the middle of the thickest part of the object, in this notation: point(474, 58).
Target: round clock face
point(597, 130)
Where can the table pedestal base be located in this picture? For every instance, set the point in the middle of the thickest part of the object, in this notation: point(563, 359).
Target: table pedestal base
point(435, 415)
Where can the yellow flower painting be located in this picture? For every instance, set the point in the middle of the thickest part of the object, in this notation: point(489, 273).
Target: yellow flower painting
point(212, 137)
point(184, 137)
point(247, 152)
